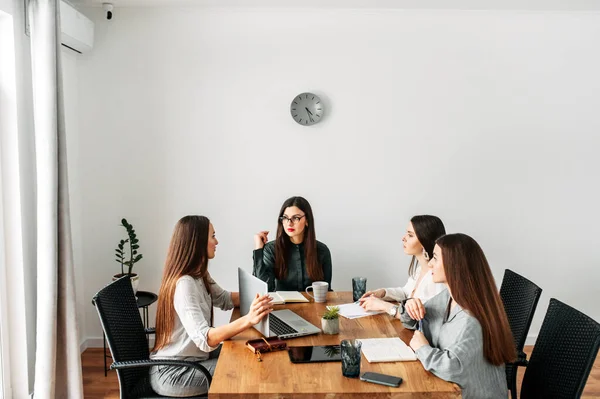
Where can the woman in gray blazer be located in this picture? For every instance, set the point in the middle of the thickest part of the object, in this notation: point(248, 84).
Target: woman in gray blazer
point(463, 333)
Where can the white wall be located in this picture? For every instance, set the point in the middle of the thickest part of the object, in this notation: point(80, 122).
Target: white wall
point(486, 119)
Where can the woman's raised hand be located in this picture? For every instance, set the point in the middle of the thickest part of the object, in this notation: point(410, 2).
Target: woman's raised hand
point(261, 306)
point(380, 293)
point(260, 239)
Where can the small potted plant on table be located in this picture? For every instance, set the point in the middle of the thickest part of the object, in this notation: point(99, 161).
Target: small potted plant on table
point(330, 321)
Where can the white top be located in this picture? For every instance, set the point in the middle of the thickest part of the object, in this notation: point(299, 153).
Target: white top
point(192, 305)
point(427, 288)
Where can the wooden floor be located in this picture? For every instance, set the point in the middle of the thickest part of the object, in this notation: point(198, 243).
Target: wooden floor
point(95, 385)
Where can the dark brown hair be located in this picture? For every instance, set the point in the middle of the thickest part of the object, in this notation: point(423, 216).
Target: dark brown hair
point(187, 256)
point(427, 229)
point(473, 287)
point(283, 243)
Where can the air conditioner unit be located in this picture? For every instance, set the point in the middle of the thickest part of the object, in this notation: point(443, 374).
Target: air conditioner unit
point(77, 31)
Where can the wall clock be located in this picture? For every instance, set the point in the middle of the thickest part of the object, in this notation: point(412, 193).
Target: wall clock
point(306, 109)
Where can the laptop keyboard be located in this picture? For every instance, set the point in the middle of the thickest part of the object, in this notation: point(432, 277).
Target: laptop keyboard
point(277, 326)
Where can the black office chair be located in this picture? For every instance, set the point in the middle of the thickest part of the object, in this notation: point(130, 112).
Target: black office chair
point(563, 354)
point(520, 297)
point(126, 336)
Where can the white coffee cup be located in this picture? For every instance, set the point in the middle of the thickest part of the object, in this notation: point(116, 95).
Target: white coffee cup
point(320, 289)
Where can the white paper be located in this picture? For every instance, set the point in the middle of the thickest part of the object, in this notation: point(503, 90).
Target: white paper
point(386, 350)
point(353, 311)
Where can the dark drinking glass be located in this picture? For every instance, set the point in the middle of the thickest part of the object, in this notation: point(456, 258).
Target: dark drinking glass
point(350, 352)
point(359, 287)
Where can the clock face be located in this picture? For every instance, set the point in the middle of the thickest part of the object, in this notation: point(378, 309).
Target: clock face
point(306, 109)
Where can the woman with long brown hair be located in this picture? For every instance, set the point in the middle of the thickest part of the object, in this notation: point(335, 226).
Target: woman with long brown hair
point(184, 317)
point(418, 242)
point(463, 333)
point(295, 259)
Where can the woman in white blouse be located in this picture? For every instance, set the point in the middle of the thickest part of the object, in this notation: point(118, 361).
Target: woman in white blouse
point(184, 317)
point(418, 242)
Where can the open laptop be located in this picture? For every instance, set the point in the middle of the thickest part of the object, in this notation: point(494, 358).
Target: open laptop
point(279, 323)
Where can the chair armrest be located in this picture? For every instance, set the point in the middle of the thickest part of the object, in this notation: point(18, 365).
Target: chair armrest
point(521, 359)
point(161, 362)
point(151, 330)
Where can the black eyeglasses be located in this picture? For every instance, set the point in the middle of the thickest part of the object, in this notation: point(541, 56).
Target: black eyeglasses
point(294, 219)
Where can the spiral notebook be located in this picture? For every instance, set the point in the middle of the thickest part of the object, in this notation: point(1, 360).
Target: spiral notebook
point(378, 350)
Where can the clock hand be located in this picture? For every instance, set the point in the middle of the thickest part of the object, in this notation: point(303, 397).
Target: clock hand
point(309, 114)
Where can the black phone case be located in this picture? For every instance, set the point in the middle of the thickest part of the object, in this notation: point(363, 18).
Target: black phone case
point(372, 377)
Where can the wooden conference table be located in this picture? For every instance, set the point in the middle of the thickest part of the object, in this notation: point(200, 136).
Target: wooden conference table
point(240, 375)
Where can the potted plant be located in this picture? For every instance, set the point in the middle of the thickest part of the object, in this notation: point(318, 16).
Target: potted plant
point(330, 321)
point(127, 255)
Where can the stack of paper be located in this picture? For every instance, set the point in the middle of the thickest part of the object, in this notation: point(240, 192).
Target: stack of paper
point(281, 297)
point(386, 350)
point(353, 311)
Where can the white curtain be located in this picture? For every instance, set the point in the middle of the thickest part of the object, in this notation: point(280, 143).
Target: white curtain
point(58, 362)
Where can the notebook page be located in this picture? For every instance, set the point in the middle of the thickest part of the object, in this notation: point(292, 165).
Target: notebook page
point(277, 299)
point(280, 297)
point(386, 350)
point(353, 311)
point(292, 296)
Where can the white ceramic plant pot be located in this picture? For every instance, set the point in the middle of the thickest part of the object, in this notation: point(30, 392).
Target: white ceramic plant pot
point(135, 280)
point(330, 326)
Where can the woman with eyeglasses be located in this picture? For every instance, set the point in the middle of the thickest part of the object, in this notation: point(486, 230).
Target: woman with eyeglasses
point(463, 335)
point(295, 259)
point(418, 242)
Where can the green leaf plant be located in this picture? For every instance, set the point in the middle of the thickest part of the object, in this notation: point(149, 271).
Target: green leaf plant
point(127, 255)
point(332, 313)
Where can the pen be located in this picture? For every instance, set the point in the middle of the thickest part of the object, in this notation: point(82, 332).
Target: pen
point(421, 325)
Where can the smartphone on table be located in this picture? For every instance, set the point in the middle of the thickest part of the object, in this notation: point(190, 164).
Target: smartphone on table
point(382, 379)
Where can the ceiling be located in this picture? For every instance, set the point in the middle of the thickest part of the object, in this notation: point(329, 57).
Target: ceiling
point(534, 5)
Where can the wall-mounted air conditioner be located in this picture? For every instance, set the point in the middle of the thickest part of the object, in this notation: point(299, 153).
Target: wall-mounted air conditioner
point(77, 31)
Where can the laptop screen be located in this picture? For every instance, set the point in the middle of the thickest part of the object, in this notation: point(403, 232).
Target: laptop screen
point(249, 287)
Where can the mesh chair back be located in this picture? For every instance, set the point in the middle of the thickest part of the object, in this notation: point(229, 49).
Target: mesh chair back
point(124, 330)
point(520, 297)
point(563, 354)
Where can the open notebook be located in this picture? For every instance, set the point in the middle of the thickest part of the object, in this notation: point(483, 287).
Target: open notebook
point(386, 350)
point(281, 297)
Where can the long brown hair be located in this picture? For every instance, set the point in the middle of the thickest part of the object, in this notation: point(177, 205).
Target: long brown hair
point(187, 256)
point(473, 287)
point(428, 228)
point(283, 243)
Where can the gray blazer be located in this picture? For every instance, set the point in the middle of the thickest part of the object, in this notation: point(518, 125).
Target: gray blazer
point(455, 352)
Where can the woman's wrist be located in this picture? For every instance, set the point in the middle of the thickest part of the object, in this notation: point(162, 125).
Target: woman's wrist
point(246, 324)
